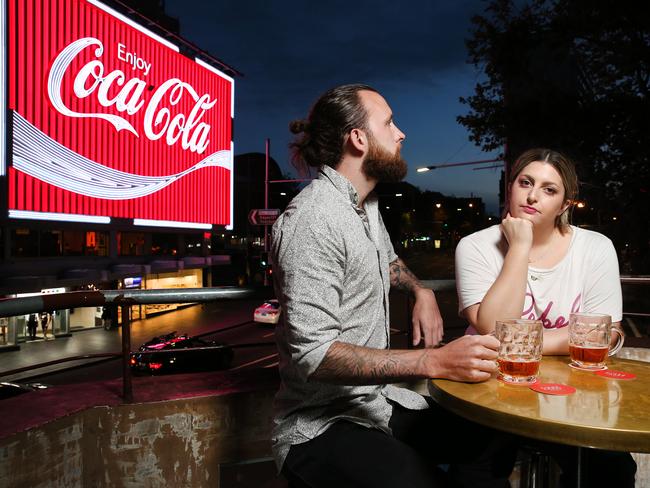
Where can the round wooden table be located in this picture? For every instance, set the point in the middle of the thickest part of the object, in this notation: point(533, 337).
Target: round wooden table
point(602, 413)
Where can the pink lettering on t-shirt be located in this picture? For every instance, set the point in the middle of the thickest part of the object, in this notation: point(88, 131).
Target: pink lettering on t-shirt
point(544, 316)
point(560, 321)
point(575, 308)
point(532, 305)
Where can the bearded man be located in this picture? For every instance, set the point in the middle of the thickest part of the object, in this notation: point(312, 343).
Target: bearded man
point(338, 420)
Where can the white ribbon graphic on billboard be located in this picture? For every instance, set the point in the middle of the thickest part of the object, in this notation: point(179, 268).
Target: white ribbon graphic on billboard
point(40, 156)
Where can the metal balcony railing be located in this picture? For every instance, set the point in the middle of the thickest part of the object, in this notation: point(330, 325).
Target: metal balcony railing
point(122, 298)
point(126, 298)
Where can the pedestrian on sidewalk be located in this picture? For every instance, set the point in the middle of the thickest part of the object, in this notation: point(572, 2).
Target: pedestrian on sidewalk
point(109, 316)
point(106, 318)
point(32, 324)
point(45, 320)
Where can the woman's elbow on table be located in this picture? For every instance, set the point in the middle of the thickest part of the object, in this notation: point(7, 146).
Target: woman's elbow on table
point(471, 314)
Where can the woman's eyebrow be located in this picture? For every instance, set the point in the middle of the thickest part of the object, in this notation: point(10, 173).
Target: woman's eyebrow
point(544, 183)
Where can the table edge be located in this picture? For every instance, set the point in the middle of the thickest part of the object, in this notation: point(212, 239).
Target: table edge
point(575, 435)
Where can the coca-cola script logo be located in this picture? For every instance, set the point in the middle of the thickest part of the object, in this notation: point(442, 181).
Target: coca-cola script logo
point(92, 80)
point(38, 155)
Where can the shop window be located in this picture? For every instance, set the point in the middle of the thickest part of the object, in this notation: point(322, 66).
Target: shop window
point(96, 243)
point(189, 278)
point(7, 335)
point(164, 244)
point(24, 243)
point(51, 242)
point(73, 243)
point(130, 243)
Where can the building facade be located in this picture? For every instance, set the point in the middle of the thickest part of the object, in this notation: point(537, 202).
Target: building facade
point(116, 156)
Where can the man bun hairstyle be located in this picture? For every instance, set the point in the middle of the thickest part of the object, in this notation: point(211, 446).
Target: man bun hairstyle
point(298, 126)
point(322, 135)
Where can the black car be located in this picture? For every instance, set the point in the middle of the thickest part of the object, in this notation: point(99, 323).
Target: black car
point(8, 390)
point(174, 353)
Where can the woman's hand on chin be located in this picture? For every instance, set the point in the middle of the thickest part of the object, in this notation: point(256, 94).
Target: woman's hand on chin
point(518, 232)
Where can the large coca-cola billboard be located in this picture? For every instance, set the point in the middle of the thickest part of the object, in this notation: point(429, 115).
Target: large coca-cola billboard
point(109, 120)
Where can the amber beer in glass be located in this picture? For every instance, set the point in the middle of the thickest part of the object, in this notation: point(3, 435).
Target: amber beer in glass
point(520, 350)
point(589, 340)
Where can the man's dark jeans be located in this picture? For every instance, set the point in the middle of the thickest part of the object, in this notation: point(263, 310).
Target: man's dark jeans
point(350, 455)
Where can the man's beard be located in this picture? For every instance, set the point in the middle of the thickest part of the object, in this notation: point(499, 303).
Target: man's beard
point(381, 165)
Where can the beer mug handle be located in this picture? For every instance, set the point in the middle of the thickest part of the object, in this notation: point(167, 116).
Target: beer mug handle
point(619, 342)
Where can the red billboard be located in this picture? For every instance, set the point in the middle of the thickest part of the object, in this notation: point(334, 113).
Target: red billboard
point(109, 120)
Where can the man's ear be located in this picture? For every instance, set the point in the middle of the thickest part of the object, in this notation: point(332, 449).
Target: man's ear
point(358, 140)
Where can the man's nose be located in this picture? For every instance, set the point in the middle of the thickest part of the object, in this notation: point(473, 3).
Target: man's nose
point(400, 135)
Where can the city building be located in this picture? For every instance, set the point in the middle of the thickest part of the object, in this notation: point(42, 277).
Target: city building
point(116, 156)
point(427, 220)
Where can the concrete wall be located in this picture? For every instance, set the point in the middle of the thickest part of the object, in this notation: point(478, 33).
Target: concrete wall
point(173, 443)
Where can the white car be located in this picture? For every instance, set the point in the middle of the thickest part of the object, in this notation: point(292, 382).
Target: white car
point(268, 312)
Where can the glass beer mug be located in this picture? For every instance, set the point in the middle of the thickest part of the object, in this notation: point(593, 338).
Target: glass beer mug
point(520, 351)
point(590, 340)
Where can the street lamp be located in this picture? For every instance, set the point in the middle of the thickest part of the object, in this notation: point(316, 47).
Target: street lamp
point(448, 165)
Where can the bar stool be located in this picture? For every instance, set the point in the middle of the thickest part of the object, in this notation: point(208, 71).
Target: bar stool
point(535, 468)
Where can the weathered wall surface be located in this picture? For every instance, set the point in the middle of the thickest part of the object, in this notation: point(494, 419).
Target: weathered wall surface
point(173, 443)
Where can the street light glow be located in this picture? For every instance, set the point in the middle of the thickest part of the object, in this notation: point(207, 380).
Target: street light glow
point(465, 163)
point(438, 205)
point(398, 194)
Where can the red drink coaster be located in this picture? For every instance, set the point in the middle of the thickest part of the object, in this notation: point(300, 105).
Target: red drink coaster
point(616, 375)
point(553, 388)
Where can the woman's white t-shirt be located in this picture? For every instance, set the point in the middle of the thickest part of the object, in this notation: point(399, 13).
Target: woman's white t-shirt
point(586, 280)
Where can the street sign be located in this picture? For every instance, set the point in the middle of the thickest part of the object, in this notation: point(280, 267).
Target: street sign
point(263, 216)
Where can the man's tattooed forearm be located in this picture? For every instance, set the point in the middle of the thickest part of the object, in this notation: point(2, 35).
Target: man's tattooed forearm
point(402, 278)
point(355, 365)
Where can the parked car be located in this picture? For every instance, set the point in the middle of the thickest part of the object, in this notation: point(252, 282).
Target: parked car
point(8, 390)
point(174, 353)
point(268, 313)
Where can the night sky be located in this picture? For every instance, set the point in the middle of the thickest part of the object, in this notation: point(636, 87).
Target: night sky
point(290, 52)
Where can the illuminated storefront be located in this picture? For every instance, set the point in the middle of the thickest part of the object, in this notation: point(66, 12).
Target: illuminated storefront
point(187, 278)
point(17, 329)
